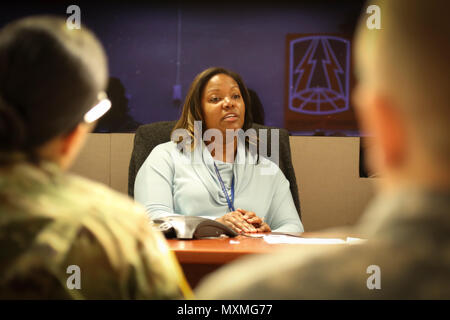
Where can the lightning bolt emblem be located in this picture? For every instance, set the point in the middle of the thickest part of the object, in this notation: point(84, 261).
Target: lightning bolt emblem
point(332, 68)
point(306, 67)
point(319, 83)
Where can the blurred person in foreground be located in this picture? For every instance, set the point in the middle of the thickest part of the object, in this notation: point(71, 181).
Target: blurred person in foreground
point(52, 82)
point(403, 101)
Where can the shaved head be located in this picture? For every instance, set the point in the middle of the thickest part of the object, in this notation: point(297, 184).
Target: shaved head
point(407, 61)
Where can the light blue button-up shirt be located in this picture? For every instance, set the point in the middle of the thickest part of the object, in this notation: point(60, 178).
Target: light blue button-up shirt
point(171, 182)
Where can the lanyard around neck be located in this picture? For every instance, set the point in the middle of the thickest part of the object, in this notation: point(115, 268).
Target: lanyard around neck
point(224, 190)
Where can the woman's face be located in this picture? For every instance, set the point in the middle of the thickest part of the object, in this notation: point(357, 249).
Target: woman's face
point(223, 105)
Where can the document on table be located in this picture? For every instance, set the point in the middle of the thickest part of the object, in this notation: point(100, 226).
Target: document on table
point(282, 239)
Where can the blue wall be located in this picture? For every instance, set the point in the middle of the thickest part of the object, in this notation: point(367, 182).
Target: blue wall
point(141, 43)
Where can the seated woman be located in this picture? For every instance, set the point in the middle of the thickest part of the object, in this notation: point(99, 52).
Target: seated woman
point(218, 178)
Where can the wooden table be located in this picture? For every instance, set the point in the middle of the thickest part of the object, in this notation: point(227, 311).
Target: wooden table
point(200, 257)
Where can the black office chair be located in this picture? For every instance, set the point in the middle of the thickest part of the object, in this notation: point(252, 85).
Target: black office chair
point(150, 135)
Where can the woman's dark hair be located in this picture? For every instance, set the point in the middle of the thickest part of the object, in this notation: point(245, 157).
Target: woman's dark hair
point(192, 109)
point(257, 107)
point(50, 76)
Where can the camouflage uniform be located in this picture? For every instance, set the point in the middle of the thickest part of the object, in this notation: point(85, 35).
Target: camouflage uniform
point(408, 239)
point(50, 220)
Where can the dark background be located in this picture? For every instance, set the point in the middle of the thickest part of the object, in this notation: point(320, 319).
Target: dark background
point(141, 43)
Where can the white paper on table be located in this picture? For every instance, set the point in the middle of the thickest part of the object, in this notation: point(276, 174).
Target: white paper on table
point(351, 240)
point(282, 239)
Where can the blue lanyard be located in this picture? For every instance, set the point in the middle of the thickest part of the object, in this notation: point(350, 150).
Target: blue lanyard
point(225, 192)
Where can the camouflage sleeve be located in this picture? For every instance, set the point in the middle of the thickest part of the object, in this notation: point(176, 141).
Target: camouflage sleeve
point(133, 263)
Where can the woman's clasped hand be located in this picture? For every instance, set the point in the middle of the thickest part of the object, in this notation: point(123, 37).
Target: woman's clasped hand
point(243, 221)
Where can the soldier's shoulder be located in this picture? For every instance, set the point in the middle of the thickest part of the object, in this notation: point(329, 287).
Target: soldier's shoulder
point(94, 198)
